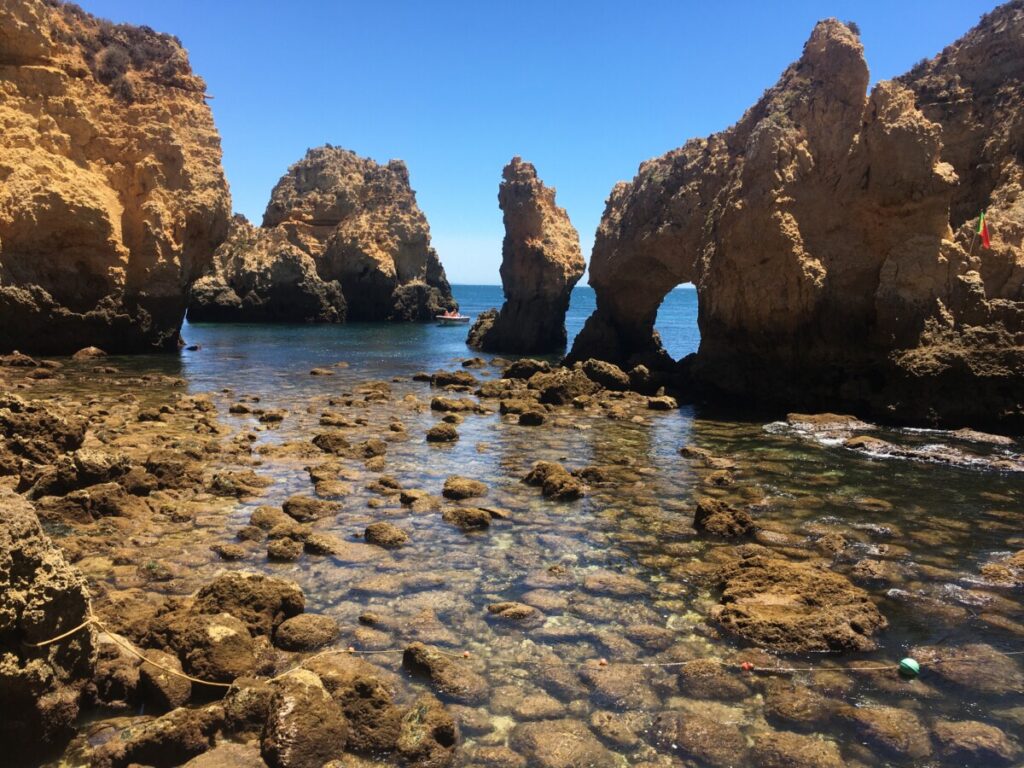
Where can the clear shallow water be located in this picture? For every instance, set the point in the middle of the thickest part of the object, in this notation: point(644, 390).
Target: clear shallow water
point(931, 526)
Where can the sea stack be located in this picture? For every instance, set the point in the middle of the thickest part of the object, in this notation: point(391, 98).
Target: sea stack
point(540, 264)
point(112, 194)
point(342, 237)
point(832, 239)
point(258, 276)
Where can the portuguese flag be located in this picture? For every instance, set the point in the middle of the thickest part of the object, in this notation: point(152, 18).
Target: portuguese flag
point(983, 231)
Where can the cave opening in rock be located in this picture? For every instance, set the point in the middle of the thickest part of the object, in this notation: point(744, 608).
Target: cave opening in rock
point(676, 321)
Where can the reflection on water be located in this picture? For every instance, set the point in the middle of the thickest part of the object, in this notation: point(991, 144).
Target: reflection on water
point(616, 575)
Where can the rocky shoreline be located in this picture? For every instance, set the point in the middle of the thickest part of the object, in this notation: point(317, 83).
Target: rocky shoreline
point(185, 515)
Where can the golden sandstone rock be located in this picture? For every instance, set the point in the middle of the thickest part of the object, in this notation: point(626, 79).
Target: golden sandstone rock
point(540, 264)
point(112, 195)
point(341, 235)
point(829, 234)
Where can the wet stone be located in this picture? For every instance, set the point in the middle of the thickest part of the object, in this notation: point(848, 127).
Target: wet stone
point(306, 632)
point(386, 535)
point(974, 743)
point(456, 487)
point(451, 677)
point(560, 744)
point(284, 549)
point(442, 433)
point(781, 749)
point(893, 731)
point(710, 742)
point(161, 688)
point(305, 727)
point(467, 518)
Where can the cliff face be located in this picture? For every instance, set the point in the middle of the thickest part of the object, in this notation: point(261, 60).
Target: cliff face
point(259, 276)
point(829, 237)
point(358, 227)
point(540, 264)
point(112, 195)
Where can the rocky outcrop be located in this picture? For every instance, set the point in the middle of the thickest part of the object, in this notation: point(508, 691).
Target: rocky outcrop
point(41, 597)
point(830, 237)
point(342, 236)
point(112, 195)
point(540, 264)
point(259, 277)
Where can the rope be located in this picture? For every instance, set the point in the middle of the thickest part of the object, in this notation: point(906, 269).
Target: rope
point(744, 666)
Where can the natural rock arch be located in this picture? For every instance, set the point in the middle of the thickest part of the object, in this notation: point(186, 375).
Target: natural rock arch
point(818, 232)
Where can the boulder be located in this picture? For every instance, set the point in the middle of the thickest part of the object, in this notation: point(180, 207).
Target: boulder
point(467, 518)
point(305, 727)
point(428, 735)
point(710, 742)
point(718, 518)
point(895, 732)
point(560, 744)
point(555, 481)
point(162, 689)
point(782, 749)
point(795, 607)
point(261, 602)
point(442, 433)
point(456, 487)
point(608, 375)
point(306, 632)
point(969, 742)
point(540, 263)
point(451, 677)
point(165, 742)
point(306, 509)
point(41, 597)
point(366, 695)
point(386, 535)
point(101, 239)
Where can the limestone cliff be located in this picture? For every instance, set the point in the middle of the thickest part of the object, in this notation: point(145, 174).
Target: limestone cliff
point(540, 264)
point(112, 195)
point(259, 276)
point(358, 226)
point(828, 233)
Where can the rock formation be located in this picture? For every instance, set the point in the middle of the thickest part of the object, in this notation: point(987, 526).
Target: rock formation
point(259, 276)
point(540, 264)
point(112, 196)
point(339, 230)
point(830, 235)
point(41, 596)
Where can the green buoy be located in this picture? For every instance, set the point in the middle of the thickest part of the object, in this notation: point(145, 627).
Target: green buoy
point(909, 668)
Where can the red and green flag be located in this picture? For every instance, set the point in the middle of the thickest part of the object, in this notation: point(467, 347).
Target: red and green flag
point(983, 231)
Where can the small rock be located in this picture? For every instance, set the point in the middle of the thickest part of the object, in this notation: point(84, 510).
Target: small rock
point(442, 433)
point(386, 535)
point(456, 487)
point(306, 632)
point(451, 677)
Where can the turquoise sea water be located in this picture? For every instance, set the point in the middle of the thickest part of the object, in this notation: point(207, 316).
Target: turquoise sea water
point(240, 351)
point(916, 535)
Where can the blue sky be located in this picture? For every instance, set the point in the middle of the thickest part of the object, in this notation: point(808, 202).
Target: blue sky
point(585, 91)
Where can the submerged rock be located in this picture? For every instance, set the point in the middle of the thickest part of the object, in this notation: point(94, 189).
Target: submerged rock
point(560, 744)
point(795, 607)
point(540, 264)
point(451, 677)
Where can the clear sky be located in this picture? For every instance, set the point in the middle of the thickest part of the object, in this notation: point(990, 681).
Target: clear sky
point(584, 90)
